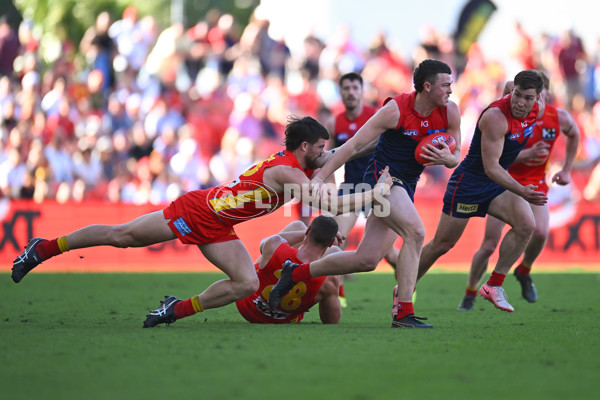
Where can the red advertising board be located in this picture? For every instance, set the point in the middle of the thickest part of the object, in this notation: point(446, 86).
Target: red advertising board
point(574, 240)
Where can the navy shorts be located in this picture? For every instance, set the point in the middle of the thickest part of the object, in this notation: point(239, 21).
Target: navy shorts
point(372, 176)
point(468, 195)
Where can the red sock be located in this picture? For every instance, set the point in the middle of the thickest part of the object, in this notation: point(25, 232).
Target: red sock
point(523, 270)
point(496, 279)
point(301, 273)
point(47, 248)
point(184, 309)
point(471, 292)
point(404, 309)
point(341, 292)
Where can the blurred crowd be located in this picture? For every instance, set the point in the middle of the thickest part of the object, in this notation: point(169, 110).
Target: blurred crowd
point(140, 113)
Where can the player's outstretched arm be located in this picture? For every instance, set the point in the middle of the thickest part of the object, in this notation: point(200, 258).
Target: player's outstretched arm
point(569, 127)
point(362, 143)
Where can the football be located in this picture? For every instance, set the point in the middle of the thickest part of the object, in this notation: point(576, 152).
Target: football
point(434, 139)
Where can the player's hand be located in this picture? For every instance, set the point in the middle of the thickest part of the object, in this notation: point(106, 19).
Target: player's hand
point(537, 154)
point(339, 240)
point(438, 156)
point(562, 178)
point(385, 182)
point(320, 188)
point(533, 196)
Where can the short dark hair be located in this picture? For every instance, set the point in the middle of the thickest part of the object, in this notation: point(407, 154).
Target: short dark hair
point(305, 129)
point(545, 78)
point(530, 79)
point(427, 71)
point(351, 76)
point(323, 230)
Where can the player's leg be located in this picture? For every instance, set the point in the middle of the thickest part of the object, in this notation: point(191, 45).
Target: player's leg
point(345, 224)
point(532, 251)
point(479, 263)
point(143, 231)
point(370, 251)
point(448, 231)
point(392, 256)
point(294, 227)
point(515, 211)
point(330, 309)
point(230, 257)
point(540, 234)
point(404, 220)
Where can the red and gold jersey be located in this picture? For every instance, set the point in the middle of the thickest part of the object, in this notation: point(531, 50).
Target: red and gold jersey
point(247, 196)
point(295, 303)
point(546, 129)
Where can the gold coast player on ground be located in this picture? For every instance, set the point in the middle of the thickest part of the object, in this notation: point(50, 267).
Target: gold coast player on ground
point(314, 242)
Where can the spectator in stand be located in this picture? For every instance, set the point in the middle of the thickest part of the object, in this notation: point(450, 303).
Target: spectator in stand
point(100, 49)
point(10, 46)
point(570, 53)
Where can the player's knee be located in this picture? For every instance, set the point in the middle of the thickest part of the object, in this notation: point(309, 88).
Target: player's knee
point(487, 248)
point(539, 234)
point(416, 237)
point(367, 263)
point(525, 228)
point(121, 237)
point(247, 287)
point(331, 286)
point(297, 226)
point(441, 246)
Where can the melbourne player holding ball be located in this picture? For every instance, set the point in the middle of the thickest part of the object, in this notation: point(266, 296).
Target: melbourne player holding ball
point(398, 126)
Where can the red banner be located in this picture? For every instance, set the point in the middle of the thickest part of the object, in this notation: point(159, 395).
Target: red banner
point(574, 241)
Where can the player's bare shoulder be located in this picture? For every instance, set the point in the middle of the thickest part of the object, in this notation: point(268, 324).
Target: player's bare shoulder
point(493, 120)
point(278, 176)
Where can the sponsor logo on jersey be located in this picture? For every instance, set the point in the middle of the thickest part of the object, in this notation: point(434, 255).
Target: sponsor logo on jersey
point(411, 132)
point(432, 131)
point(342, 137)
point(548, 134)
point(397, 180)
point(466, 208)
point(256, 196)
point(515, 136)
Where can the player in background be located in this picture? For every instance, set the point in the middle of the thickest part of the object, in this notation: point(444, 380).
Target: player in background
point(398, 126)
point(481, 185)
point(313, 243)
point(206, 218)
point(530, 167)
point(342, 127)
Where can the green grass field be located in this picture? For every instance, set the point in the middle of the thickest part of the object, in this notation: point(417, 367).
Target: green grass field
point(80, 336)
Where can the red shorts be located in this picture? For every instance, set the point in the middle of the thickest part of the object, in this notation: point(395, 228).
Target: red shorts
point(541, 184)
point(194, 222)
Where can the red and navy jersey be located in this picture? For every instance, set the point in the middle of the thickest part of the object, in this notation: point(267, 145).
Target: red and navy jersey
point(518, 133)
point(546, 129)
point(295, 303)
point(396, 147)
point(345, 129)
point(247, 196)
